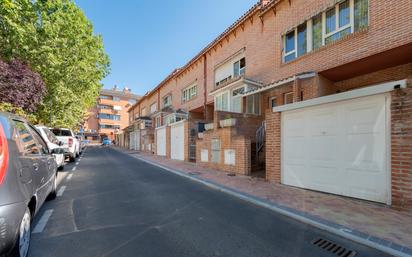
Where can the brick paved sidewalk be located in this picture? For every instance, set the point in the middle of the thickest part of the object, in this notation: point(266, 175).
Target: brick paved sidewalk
point(374, 222)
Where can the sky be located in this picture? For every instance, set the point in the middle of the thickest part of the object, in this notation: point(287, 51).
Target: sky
point(147, 39)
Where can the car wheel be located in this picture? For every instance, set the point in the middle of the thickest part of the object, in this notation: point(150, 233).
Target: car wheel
point(21, 249)
point(72, 158)
point(61, 168)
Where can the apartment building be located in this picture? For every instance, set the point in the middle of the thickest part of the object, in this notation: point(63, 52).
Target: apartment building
point(110, 115)
point(310, 94)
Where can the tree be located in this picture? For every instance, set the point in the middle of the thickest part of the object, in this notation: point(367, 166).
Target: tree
point(57, 41)
point(20, 86)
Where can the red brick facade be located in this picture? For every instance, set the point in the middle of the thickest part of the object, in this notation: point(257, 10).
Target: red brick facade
point(378, 53)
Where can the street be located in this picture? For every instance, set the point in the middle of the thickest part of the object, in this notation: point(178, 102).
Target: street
point(113, 204)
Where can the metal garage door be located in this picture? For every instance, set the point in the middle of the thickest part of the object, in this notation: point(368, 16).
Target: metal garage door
point(339, 148)
point(177, 141)
point(161, 141)
point(132, 140)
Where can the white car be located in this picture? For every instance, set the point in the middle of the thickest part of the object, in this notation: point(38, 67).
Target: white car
point(70, 142)
point(53, 143)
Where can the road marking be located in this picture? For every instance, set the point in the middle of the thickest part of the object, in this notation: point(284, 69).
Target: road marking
point(74, 168)
point(69, 177)
point(61, 191)
point(42, 222)
point(77, 163)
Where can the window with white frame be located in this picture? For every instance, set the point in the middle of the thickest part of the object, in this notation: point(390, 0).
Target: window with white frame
point(174, 117)
point(272, 102)
point(215, 153)
point(153, 108)
point(167, 100)
point(253, 104)
point(222, 102)
point(158, 121)
point(288, 98)
point(189, 93)
point(342, 19)
point(239, 67)
point(236, 104)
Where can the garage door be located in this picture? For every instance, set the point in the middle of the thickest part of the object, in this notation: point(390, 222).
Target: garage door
point(177, 141)
point(132, 140)
point(161, 141)
point(338, 148)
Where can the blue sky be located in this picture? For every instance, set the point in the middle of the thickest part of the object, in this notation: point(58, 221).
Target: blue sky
point(147, 39)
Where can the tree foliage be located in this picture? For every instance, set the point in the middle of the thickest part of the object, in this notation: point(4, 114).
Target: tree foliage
point(58, 42)
point(20, 86)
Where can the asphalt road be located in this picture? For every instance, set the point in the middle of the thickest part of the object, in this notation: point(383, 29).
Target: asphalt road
point(115, 205)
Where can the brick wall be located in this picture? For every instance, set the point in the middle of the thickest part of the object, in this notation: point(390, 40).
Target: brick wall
point(401, 114)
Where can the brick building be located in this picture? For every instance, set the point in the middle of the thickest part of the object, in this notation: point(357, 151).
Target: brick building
point(312, 94)
point(110, 115)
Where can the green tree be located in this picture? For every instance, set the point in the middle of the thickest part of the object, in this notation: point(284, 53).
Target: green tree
point(58, 42)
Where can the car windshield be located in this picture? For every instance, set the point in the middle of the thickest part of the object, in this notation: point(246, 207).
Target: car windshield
point(62, 132)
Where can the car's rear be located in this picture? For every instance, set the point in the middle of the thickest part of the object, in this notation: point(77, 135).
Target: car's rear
point(68, 139)
point(13, 202)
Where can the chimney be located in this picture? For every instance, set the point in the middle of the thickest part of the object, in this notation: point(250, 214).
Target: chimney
point(115, 87)
point(126, 90)
point(264, 2)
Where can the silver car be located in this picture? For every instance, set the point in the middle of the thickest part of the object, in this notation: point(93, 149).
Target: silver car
point(28, 173)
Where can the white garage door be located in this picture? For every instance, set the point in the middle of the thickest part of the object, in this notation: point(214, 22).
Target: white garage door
point(137, 141)
point(161, 141)
point(338, 148)
point(177, 141)
point(131, 142)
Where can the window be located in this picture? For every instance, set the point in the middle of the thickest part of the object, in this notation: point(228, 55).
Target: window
point(174, 117)
point(52, 138)
point(167, 100)
point(338, 22)
point(290, 48)
point(132, 101)
point(107, 126)
point(361, 14)
point(215, 151)
point(302, 40)
point(344, 18)
point(158, 121)
point(253, 104)
point(106, 107)
point(189, 93)
point(62, 132)
point(239, 67)
point(288, 98)
point(144, 111)
point(105, 97)
point(27, 140)
point(317, 31)
point(222, 102)
point(153, 108)
point(109, 116)
point(236, 105)
point(116, 99)
point(39, 140)
point(272, 102)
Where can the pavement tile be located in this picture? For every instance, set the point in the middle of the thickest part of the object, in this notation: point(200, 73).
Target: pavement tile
point(365, 219)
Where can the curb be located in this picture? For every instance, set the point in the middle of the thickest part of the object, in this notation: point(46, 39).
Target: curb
point(345, 232)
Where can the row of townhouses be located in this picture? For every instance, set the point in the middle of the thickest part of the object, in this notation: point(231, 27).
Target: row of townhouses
point(314, 94)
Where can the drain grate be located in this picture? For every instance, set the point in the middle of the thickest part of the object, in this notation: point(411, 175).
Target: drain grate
point(333, 248)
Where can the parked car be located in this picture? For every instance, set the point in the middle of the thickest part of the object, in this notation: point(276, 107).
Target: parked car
point(106, 142)
point(82, 143)
point(53, 143)
point(69, 141)
point(28, 173)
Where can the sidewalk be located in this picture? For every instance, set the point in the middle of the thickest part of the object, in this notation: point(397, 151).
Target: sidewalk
point(369, 222)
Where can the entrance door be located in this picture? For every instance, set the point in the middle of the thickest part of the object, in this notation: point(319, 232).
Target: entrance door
point(161, 141)
point(177, 141)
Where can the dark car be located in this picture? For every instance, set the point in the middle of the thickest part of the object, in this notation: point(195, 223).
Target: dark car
point(27, 177)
